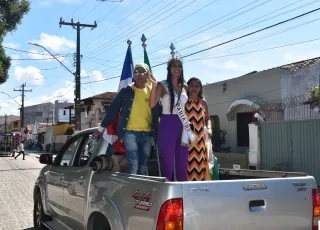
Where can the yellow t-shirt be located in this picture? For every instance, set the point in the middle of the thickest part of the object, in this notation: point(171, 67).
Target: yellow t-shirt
point(140, 115)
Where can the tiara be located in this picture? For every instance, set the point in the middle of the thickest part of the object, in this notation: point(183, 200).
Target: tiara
point(174, 55)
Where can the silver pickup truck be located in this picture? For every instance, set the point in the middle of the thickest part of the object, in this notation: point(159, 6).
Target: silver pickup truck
point(85, 187)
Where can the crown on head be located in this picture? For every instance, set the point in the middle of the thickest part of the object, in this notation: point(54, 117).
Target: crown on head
point(174, 55)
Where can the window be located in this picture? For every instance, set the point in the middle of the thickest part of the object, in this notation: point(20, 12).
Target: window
point(64, 159)
point(243, 120)
point(88, 147)
point(64, 112)
point(38, 114)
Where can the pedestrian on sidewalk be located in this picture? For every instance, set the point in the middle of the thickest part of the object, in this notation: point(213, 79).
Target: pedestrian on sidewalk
point(21, 150)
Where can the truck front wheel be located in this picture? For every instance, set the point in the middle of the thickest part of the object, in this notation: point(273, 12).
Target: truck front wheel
point(38, 214)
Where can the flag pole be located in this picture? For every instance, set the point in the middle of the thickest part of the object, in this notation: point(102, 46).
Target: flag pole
point(146, 61)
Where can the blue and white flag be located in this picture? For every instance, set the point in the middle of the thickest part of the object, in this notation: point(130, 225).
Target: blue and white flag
point(127, 70)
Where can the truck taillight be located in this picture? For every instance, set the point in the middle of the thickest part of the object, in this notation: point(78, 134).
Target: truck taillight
point(316, 209)
point(171, 215)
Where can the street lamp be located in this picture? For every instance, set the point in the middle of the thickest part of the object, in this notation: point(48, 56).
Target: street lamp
point(35, 44)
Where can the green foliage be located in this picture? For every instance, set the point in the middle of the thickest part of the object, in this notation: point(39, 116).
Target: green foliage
point(11, 14)
point(314, 96)
point(222, 147)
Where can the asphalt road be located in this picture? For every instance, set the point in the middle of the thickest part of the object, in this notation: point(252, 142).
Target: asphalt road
point(17, 178)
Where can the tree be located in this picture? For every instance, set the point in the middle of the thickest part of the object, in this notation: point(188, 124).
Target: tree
point(11, 14)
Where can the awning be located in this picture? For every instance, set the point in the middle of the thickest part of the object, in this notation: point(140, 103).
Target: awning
point(254, 102)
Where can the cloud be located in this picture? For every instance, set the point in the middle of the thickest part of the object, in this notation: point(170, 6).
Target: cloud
point(9, 106)
point(29, 73)
point(95, 75)
point(67, 83)
point(231, 64)
point(36, 55)
point(65, 94)
point(54, 42)
point(12, 45)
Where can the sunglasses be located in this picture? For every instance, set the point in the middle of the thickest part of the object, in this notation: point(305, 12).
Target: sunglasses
point(142, 73)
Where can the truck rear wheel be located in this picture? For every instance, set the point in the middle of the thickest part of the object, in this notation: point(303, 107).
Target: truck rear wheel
point(101, 223)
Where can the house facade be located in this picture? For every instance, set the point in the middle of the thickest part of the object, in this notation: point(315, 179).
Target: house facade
point(44, 113)
point(275, 94)
point(94, 108)
point(237, 98)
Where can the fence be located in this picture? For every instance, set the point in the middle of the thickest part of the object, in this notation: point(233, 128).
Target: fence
point(291, 146)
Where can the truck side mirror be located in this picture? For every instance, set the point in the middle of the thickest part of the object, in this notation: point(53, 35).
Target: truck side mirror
point(46, 159)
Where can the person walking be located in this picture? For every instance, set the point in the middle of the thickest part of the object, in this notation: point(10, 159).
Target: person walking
point(21, 150)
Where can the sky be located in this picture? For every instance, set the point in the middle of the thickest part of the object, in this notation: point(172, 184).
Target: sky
point(191, 25)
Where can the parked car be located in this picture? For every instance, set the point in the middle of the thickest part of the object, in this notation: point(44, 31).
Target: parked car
point(84, 188)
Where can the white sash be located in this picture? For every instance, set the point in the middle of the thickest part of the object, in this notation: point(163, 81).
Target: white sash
point(187, 138)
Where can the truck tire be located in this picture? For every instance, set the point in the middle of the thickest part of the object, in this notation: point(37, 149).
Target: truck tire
point(38, 214)
point(101, 223)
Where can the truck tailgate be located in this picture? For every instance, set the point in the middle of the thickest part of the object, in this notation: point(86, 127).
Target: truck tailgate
point(264, 204)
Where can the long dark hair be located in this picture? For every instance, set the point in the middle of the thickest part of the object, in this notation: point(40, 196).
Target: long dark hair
point(200, 95)
point(169, 80)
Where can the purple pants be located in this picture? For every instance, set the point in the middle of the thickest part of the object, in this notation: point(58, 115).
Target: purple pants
point(169, 142)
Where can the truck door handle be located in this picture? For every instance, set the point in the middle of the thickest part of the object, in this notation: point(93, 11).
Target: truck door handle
point(257, 205)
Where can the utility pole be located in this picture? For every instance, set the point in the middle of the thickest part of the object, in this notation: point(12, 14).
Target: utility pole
point(78, 26)
point(5, 124)
point(22, 104)
point(5, 132)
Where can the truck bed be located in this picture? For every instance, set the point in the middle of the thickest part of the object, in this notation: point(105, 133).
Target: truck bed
point(262, 204)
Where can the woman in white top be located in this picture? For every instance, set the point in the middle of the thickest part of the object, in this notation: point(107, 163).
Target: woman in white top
point(174, 133)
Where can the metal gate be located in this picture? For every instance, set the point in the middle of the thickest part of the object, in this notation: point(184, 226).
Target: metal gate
point(291, 146)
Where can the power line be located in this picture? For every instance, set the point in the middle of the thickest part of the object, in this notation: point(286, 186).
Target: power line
point(246, 43)
point(109, 29)
point(78, 9)
point(30, 59)
point(49, 69)
point(264, 37)
point(243, 26)
point(246, 35)
point(143, 21)
point(207, 24)
point(167, 27)
point(234, 30)
point(255, 51)
point(148, 27)
point(91, 10)
point(23, 51)
point(110, 78)
point(174, 40)
point(104, 17)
